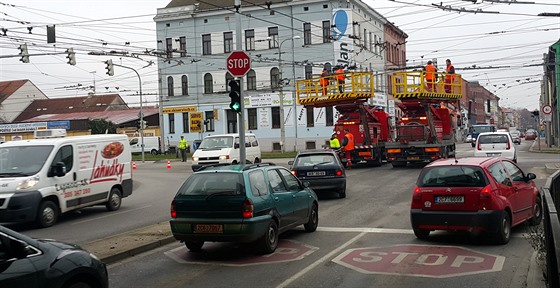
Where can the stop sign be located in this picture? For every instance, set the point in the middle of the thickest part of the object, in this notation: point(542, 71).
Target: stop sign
point(238, 63)
point(420, 260)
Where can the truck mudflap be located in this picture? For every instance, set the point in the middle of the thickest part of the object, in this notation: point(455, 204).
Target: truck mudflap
point(429, 153)
point(365, 154)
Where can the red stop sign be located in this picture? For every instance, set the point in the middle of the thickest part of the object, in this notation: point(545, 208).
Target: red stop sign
point(420, 260)
point(238, 63)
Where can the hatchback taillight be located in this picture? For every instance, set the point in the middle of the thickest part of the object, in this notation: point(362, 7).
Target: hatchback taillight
point(478, 146)
point(173, 212)
point(416, 198)
point(507, 147)
point(248, 208)
point(338, 172)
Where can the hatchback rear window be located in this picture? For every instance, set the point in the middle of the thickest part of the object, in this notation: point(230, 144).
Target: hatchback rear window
point(492, 139)
point(315, 159)
point(454, 176)
point(210, 183)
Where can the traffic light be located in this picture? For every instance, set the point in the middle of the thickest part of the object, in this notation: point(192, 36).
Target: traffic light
point(110, 70)
point(24, 53)
point(71, 56)
point(235, 95)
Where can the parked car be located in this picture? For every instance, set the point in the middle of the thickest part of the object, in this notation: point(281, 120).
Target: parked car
point(495, 144)
point(233, 203)
point(29, 263)
point(531, 135)
point(474, 194)
point(322, 169)
point(516, 136)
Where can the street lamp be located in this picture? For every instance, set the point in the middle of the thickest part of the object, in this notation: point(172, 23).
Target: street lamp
point(281, 88)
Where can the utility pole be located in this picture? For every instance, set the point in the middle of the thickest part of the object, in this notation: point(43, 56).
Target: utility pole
point(241, 117)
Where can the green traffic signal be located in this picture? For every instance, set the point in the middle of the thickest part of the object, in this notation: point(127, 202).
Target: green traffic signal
point(234, 94)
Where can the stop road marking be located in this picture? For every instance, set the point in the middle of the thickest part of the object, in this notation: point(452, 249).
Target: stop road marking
point(420, 260)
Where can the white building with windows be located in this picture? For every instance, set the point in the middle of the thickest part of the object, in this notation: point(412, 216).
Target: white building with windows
point(195, 39)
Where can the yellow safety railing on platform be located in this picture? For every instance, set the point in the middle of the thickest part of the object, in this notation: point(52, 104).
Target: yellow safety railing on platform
point(414, 85)
point(357, 85)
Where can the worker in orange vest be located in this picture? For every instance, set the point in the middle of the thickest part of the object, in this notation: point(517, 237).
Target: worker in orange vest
point(340, 77)
point(348, 146)
point(324, 81)
point(449, 76)
point(430, 71)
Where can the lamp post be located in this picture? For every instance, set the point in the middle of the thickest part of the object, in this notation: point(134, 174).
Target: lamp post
point(281, 94)
point(141, 112)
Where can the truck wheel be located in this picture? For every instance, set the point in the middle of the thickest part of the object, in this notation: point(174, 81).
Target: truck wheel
point(48, 214)
point(115, 200)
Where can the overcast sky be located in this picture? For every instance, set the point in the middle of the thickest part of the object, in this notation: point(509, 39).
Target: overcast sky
point(509, 45)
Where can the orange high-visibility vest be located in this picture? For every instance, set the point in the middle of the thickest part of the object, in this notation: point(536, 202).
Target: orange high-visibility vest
point(449, 76)
point(340, 74)
point(324, 81)
point(350, 145)
point(430, 72)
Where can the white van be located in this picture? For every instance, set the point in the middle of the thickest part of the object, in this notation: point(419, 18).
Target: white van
point(224, 148)
point(41, 178)
point(151, 145)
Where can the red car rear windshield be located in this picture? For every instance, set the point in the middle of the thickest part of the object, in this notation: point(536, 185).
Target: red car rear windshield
point(452, 176)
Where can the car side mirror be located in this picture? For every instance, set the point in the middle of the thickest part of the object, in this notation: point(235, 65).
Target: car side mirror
point(58, 169)
point(531, 176)
point(291, 162)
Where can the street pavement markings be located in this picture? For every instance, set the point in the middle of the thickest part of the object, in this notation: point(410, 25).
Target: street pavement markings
point(112, 214)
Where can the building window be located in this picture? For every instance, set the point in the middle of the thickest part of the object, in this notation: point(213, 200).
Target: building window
point(252, 118)
point(184, 85)
point(273, 34)
point(308, 71)
point(169, 47)
point(327, 31)
point(306, 33)
point(206, 44)
point(310, 117)
point(209, 121)
point(275, 117)
point(250, 40)
point(251, 80)
point(186, 122)
point(183, 46)
point(170, 86)
point(171, 123)
point(329, 114)
point(229, 78)
point(228, 42)
point(208, 84)
point(274, 78)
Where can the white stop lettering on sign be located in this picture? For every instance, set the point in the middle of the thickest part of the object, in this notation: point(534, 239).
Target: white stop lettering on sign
point(237, 63)
point(420, 260)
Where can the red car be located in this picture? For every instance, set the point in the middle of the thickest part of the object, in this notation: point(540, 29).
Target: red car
point(488, 194)
point(531, 135)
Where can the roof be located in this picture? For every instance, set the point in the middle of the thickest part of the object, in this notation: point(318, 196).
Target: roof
point(8, 88)
point(472, 161)
point(115, 116)
point(65, 105)
point(217, 4)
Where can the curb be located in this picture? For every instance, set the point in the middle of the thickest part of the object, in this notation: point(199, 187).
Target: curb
point(137, 250)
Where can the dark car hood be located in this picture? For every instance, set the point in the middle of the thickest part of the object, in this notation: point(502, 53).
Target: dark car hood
point(60, 245)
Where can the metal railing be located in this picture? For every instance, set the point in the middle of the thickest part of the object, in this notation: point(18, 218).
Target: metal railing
point(551, 205)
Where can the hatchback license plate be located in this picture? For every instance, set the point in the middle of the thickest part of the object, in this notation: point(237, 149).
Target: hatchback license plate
point(493, 154)
point(413, 158)
point(316, 173)
point(203, 228)
point(450, 199)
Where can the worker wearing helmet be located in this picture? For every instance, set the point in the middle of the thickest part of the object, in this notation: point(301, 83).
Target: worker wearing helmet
point(334, 143)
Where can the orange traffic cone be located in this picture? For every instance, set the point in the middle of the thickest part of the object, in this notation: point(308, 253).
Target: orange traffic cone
point(168, 164)
point(133, 165)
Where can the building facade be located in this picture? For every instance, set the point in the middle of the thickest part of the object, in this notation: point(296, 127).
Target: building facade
point(287, 41)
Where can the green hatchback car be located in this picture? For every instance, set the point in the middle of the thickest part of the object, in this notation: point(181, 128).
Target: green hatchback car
point(245, 204)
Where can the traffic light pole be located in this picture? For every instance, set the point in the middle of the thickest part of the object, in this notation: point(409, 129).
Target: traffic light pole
point(241, 122)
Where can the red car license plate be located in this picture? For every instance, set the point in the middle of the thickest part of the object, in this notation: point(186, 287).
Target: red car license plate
point(450, 199)
point(204, 228)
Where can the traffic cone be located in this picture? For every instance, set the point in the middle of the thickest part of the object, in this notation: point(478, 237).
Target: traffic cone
point(168, 164)
point(133, 165)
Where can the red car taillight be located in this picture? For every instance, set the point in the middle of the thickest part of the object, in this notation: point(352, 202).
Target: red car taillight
point(338, 172)
point(173, 212)
point(416, 199)
point(486, 198)
point(248, 208)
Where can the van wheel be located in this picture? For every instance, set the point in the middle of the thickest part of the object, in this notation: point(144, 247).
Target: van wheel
point(154, 152)
point(115, 200)
point(537, 217)
point(48, 214)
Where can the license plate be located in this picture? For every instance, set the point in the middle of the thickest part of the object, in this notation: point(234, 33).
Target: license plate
point(203, 228)
point(493, 154)
point(413, 158)
point(450, 199)
point(316, 173)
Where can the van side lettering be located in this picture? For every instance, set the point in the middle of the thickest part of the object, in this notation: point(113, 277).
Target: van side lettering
point(106, 171)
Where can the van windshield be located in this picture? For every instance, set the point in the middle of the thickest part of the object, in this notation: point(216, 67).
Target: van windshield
point(23, 160)
point(217, 142)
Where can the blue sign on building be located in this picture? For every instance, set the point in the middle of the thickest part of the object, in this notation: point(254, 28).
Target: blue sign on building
point(62, 124)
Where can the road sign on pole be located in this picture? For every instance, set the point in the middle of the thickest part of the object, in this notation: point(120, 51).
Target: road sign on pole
point(546, 109)
point(238, 63)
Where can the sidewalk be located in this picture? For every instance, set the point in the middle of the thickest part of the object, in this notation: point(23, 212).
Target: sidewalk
point(540, 146)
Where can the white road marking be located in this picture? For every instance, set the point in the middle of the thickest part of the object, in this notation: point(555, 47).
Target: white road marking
point(111, 215)
point(318, 262)
point(385, 230)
